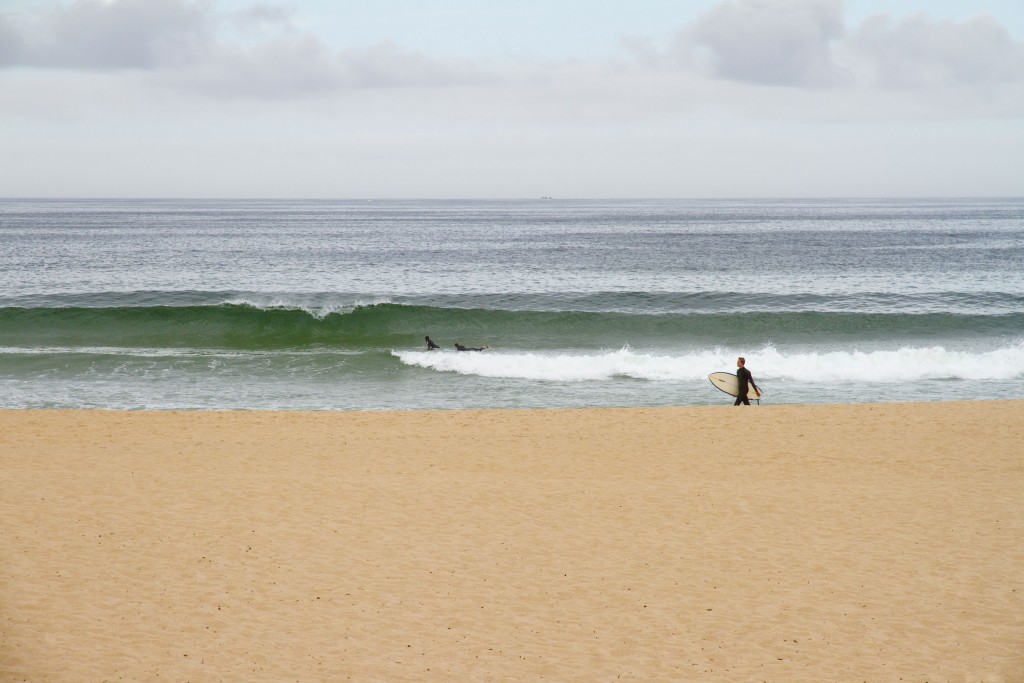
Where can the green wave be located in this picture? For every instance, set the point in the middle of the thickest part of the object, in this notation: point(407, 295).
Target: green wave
point(385, 326)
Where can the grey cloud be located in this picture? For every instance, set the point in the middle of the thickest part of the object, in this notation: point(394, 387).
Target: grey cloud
point(280, 68)
point(918, 52)
point(176, 41)
point(124, 34)
point(261, 17)
point(260, 13)
point(805, 43)
point(385, 65)
point(775, 42)
point(11, 42)
point(257, 51)
point(300, 65)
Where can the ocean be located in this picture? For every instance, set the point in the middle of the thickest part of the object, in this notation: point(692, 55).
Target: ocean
point(324, 305)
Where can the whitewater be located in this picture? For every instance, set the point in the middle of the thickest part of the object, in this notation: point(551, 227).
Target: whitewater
point(901, 365)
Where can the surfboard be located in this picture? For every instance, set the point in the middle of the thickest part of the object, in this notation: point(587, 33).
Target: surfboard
point(730, 384)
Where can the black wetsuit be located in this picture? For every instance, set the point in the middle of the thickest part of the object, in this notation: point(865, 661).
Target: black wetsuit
point(746, 379)
point(430, 344)
point(460, 347)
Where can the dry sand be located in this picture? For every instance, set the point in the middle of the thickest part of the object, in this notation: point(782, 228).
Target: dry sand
point(784, 543)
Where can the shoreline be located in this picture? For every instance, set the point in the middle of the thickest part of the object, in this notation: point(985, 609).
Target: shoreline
point(820, 542)
point(725, 403)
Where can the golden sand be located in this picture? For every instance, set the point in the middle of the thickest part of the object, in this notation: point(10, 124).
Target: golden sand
point(782, 543)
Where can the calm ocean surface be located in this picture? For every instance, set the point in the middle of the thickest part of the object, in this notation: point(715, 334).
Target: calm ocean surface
point(191, 304)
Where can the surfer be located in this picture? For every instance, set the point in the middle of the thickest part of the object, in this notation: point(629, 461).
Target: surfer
point(430, 344)
point(460, 347)
point(746, 381)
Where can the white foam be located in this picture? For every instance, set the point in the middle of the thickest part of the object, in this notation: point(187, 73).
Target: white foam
point(906, 364)
point(318, 310)
point(899, 365)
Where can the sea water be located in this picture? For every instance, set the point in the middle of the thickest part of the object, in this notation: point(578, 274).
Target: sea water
point(323, 305)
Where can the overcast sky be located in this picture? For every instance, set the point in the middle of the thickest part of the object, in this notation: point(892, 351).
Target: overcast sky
point(479, 99)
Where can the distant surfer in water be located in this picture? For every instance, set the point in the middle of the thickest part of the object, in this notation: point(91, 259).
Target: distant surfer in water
point(746, 381)
point(430, 344)
point(460, 347)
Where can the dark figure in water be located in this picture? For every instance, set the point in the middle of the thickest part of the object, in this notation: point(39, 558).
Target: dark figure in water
point(430, 344)
point(746, 381)
point(460, 347)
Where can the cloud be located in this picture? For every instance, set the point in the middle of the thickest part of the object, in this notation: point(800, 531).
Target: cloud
point(124, 34)
point(260, 15)
point(386, 65)
point(282, 67)
point(773, 42)
point(917, 52)
point(179, 44)
point(257, 51)
point(300, 65)
point(11, 41)
point(806, 43)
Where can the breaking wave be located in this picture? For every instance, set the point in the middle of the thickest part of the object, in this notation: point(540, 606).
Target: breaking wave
point(905, 364)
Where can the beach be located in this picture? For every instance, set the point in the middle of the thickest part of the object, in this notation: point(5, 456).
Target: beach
point(869, 542)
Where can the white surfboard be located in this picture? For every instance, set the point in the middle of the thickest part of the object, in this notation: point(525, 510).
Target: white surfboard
point(730, 384)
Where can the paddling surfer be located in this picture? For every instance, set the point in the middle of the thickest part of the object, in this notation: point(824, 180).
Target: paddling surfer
point(460, 347)
point(746, 381)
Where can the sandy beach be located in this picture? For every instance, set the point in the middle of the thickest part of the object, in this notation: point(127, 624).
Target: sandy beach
point(873, 542)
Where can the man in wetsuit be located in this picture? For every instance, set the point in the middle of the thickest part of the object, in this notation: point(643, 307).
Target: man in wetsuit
point(430, 344)
point(460, 347)
point(746, 381)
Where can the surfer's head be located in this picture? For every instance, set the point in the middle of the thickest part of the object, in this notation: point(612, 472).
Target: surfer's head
point(741, 361)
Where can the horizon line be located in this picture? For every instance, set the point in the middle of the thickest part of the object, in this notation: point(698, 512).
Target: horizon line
point(506, 199)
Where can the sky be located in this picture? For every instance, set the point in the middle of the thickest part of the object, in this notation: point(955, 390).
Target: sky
point(478, 99)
